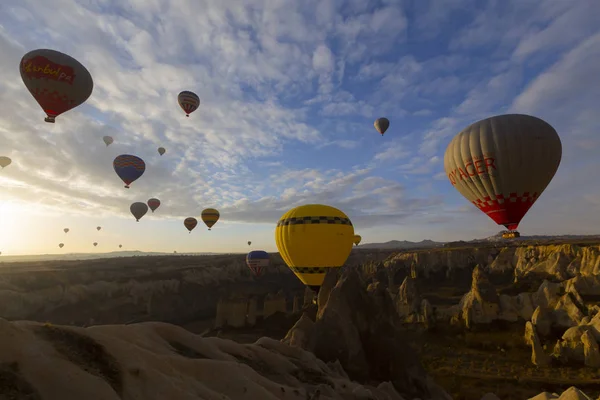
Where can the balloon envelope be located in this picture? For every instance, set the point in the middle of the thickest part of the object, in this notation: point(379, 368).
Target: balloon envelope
point(210, 216)
point(257, 260)
point(382, 124)
point(57, 81)
point(249, 243)
point(98, 228)
point(129, 168)
point(95, 244)
point(188, 101)
point(190, 223)
point(66, 230)
point(61, 245)
point(161, 150)
point(153, 204)
point(108, 140)
point(357, 239)
point(138, 209)
point(503, 164)
point(313, 238)
point(4, 161)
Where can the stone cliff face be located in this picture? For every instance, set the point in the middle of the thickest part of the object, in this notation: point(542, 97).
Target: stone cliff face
point(503, 264)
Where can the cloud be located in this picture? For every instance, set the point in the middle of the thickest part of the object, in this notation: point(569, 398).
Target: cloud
point(289, 92)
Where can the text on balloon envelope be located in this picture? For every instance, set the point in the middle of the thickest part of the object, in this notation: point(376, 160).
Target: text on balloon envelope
point(473, 167)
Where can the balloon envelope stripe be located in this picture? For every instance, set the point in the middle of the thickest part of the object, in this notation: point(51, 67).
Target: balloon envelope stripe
point(135, 163)
point(507, 210)
point(314, 220)
point(310, 270)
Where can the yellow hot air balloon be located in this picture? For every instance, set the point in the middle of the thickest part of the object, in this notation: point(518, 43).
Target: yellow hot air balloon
point(357, 239)
point(312, 238)
point(503, 164)
point(210, 216)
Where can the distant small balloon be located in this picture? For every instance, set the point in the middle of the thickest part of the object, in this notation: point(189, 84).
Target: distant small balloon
point(249, 243)
point(108, 140)
point(4, 161)
point(382, 125)
point(95, 244)
point(66, 230)
point(188, 101)
point(57, 81)
point(61, 245)
point(138, 209)
point(120, 245)
point(98, 228)
point(153, 204)
point(129, 168)
point(210, 216)
point(190, 223)
point(161, 150)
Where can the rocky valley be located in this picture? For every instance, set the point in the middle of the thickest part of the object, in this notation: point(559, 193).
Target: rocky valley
point(514, 318)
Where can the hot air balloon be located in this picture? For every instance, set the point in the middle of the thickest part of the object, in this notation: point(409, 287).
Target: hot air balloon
point(57, 81)
point(190, 223)
point(313, 238)
point(120, 245)
point(108, 140)
point(138, 209)
point(66, 230)
point(4, 161)
point(382, 124)
point(503, 164)
point(188, 101)
point(257, 260)
point(61, 245)
point(153, 204)
point(95, 244)
point(129, 168)
point(249, 243)
point(161, 150)
point(357, 239)
point(98, 228)
point(210, 216)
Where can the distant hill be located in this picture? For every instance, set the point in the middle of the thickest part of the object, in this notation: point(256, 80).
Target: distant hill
point(402, 245)
point(498, 237)
point(90, 256)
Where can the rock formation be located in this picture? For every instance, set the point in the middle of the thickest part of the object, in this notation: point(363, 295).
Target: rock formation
point(161, 361)
point(538, 357)
point(361, 330)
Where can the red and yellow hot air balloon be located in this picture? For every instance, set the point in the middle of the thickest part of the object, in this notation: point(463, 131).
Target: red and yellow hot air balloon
point(57, 81)
point(210, 216)
point(190, 223)
point(188, 101)
point(503, 164)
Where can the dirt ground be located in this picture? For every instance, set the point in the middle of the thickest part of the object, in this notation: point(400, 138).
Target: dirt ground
point(470, 364)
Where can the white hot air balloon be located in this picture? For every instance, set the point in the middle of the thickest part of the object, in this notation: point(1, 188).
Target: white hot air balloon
point(503, 164)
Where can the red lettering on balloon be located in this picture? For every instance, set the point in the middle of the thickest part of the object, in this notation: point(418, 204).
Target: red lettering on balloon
point(473, 167)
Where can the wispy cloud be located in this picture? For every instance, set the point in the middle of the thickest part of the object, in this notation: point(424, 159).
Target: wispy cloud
point(289, 91)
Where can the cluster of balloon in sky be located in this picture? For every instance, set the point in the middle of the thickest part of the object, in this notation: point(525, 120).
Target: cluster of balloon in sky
point(501, 164)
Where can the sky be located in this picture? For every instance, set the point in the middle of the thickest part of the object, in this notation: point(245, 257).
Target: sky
point(289, 92)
